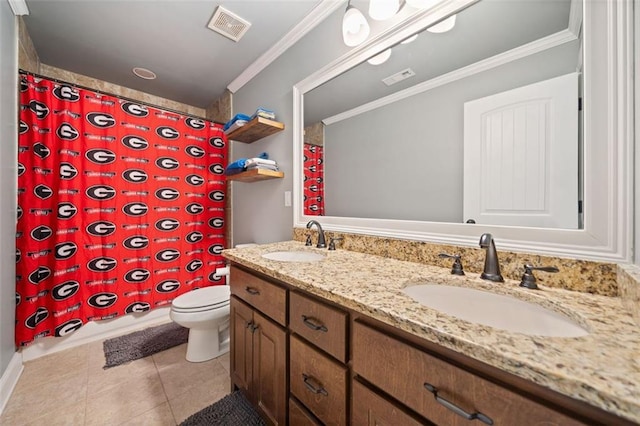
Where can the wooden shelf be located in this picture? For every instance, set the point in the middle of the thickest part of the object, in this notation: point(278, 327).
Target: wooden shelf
point(255, 129)
point(255, 175)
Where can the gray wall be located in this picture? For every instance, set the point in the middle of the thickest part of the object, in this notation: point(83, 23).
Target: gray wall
point(8, 190)
point(405, 160)
point(259, 214)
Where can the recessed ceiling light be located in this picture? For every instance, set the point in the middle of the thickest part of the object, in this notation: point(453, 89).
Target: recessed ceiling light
point(443, 26)
point(144, 73)
point(410, 39)
point(380, 58)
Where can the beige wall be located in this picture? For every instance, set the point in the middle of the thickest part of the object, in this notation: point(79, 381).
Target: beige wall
point(314, 134)
point(28, 59)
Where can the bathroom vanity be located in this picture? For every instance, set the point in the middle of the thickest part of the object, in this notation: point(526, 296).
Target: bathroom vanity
point(336, 341)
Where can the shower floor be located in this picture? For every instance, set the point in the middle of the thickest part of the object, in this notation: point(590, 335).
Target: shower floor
point(72, 388)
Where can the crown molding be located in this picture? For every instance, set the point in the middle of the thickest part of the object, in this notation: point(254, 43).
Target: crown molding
point(19, 7)
point(520, 52)
point(316, 16)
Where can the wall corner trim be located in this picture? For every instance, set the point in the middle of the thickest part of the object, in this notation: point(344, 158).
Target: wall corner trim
point(9, 379)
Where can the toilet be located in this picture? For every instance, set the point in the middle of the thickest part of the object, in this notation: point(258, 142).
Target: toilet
point(205, 312)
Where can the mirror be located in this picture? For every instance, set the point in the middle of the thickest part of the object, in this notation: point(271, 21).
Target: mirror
point(606, 133)
point(404, 122)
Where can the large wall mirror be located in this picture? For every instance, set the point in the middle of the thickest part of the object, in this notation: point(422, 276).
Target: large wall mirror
point(476, 129)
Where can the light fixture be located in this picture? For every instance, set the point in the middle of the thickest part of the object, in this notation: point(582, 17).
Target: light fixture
point(380, 58)
point(355, 28)
point(144, 73)
point(410, 39)
point(383, 9)
point(19, 7)
point(443, 26)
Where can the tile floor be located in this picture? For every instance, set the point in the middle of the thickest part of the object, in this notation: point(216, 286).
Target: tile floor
point(72, 388)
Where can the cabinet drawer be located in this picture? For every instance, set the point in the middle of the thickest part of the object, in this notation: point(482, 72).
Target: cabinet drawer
point(320, 324)
point(319, 382)
point(370, 408)
point(436, 389)
point(299, 416)
point(266, 297)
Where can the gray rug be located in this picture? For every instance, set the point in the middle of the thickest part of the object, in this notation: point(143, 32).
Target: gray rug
point(232, 410)
point(140, 344)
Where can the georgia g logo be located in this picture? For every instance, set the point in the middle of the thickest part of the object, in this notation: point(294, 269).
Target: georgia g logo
point(68, 327)
point(216, 169)
point(102, 264)
point(134, 109)
point(65, 290)
point(68, 171)
point(167, 255)
point(102, 300)
point(194, 180)
point(215, 249)
point(135, 175)
point(136, 307)
point(100, 156)
point(36, 318)
point(136, 242)
point(194, 208)
point(135, 209)
point(135, 142)
point(101, 192)
point(195, 151)
point(167, 163)
point(66, 93)
point(167, 132)
point(167, 194)
point(65, 250)
point(194, 237)
point(195, 123)
point(101, 228)
point(216, 142)
point(67, 132)
point(194, 265)
point(39, 109)
point(167, 286)
point(167, 225)
point(137, 275)
point(66, 211)
point(101, 120)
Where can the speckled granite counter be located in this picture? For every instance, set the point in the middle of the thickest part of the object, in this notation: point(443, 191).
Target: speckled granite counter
point(602, 369)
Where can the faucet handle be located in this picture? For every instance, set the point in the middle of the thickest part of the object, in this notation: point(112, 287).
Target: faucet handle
point(456, 268)
point(529, 280)
point(332, 242)
point(308, 242)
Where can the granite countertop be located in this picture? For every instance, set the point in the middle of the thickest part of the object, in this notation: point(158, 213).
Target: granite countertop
point(602, 368)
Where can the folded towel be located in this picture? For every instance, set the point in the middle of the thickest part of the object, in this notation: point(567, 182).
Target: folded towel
point(259, 161)
point(265, 113)
point(237, 117)
point(263, 167)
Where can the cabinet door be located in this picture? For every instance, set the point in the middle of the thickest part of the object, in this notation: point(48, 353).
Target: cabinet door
point(241, 344)
point(371, 409)
point(270, 369)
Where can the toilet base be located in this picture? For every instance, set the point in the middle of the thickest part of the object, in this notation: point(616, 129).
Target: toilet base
point(204, 344)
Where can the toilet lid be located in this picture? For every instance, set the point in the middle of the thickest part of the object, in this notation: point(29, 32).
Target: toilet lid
point(203, 297)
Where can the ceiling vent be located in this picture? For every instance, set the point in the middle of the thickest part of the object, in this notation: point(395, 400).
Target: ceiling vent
point(228, 24)
point(398, 77)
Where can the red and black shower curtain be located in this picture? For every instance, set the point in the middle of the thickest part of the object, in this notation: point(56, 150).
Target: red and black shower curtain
point(120, 207)
point(313, 180)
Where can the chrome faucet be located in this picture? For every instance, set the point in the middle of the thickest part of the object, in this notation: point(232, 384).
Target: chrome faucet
point(321, 241)
point(491, 270)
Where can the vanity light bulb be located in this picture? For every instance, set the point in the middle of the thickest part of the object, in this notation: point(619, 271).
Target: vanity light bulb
point(443, 26)
point(380, 58)
point(383, 9)
point(355, 28)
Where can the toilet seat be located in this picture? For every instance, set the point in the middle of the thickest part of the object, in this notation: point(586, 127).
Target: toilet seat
point(202, 299)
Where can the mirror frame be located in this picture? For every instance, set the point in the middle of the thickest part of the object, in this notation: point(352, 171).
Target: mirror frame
point(608, 146)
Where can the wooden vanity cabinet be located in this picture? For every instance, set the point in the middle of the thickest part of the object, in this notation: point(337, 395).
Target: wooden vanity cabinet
point(259, 344)
point(438, 390)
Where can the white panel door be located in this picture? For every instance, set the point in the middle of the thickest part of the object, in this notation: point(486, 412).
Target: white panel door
point(521, 156)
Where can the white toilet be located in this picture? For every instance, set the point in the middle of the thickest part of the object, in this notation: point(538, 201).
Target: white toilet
point(205, 312)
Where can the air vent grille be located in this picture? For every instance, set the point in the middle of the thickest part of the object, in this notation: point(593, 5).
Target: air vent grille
point(228, 24)
point(398, 77)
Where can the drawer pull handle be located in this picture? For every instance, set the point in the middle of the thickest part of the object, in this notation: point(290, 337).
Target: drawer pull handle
point(252, 290)
point(313, 385)
point(453, 407)
point(312, 325)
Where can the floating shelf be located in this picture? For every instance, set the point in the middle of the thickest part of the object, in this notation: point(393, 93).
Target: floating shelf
point(255, 175)
point(255, 129)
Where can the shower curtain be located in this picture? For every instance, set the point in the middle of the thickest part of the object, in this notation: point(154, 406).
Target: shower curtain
point(120, 207)
point(313, 180)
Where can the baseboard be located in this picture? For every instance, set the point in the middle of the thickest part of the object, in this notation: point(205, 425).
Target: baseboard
point(95, 331)
point(9, 379)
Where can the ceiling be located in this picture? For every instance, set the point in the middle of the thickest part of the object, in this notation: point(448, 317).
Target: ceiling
point(106, 39)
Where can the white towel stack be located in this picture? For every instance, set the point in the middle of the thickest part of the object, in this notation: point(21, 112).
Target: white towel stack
point(261, 163)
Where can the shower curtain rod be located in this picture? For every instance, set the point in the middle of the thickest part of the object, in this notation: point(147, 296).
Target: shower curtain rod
point(124, 98)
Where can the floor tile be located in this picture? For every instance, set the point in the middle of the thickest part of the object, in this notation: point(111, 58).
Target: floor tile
point(125, 401)
point(172, 356)
point(180, 377)
point(103, 380)
point(199, 396)
point(225, 361)
point(67, 416)
point(64, 363)
point(157, 416)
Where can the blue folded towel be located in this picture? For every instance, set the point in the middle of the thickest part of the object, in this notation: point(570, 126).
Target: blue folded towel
point(235, 118)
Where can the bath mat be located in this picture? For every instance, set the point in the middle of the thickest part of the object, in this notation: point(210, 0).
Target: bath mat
point(232, 410)
point(140, 344)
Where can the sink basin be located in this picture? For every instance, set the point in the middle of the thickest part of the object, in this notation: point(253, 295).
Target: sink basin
point(294, 256)
point(495, 310)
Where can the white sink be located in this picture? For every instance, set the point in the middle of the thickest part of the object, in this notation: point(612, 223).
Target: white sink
point(495, 310)
point(294, 256)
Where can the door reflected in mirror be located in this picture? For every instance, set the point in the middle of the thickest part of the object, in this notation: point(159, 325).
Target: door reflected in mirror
point(480, 122)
